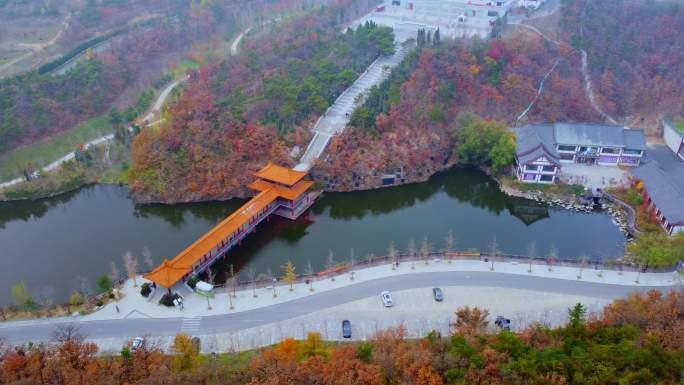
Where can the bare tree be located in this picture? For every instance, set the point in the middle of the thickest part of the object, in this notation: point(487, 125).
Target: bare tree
point(310, 272)
point(273, 280)
point(552, 257)
point(330, 264)
point(251, 275)
point(493, 252)
point(67, 333)
point(583, 263)
point(231, 271)
point(412, 252)
point(392, 253)
point(449, 244)
point(352, 262)
point(531, 254)
point(211, 276)
point(131, 265)
point(114, 272)
point(231, 282)
point(147, 258)
point(425, 250)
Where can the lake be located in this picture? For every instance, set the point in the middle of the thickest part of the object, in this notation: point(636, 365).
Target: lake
point(62, 244)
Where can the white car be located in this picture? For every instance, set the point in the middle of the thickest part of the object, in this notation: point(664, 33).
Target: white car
point(387, 299)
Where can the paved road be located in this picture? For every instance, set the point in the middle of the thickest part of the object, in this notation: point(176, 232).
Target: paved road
point(21, 332)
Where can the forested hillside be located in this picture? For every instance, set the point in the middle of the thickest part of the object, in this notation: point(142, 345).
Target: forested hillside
point(635, 51)
point(237, 115)
point(38, 103)
point(635, 341)
point(495, 80)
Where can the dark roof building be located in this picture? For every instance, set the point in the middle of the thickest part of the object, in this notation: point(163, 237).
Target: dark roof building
point(541, 148)
point(662, 174)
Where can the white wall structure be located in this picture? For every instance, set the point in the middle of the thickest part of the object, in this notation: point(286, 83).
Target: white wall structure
point(454, 18)
point(674, 139)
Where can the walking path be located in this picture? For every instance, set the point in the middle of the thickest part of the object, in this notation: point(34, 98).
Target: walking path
point(337, 116)
point(588, 87)
point(511, 288)
point(35, 47)
point(150, 118)
point(235, 47)
point(197, 305)
point(97, 141)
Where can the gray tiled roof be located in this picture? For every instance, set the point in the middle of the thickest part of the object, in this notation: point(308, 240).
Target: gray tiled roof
point(635, 139)
point(532, 140)
point(588, 134)
point(663, 177)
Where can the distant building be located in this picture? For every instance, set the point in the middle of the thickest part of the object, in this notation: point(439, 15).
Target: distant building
point(662, 175)
point(541, 149)
point(673, 132)
point(531, 4)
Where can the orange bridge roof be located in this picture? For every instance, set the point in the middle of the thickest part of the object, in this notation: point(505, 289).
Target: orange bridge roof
point(279, 174)
point(170, 272)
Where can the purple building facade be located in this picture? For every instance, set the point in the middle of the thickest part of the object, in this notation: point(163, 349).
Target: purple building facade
point(541, 149)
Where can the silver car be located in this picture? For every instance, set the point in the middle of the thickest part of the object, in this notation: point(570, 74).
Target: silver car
point(387, 298)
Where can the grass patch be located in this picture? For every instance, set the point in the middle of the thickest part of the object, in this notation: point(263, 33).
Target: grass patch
point(53, 148)
point(232, 361)
point(678, 125)
point(118, 174)
point(185, 65)
point(565, 190)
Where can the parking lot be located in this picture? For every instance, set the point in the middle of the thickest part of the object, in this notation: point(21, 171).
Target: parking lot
point(415, 309)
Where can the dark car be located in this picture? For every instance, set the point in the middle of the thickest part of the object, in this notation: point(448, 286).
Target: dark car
point(438, 294)
point(503, 323)
point(346, 329)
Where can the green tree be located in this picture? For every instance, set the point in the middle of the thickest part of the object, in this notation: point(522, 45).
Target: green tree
point(76, 299)
point(576, 315)
point(104, 283)
point(657, 249)
point(22, 297)
point(484, 142)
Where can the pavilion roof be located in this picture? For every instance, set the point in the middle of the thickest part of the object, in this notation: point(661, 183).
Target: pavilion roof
point(166, 274)
point(279, 174)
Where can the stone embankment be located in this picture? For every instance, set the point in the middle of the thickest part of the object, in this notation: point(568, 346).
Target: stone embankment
point(618, 210)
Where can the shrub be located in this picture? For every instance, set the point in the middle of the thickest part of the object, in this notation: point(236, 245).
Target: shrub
point(76, 299)
point(145, 289)
point(633, 198)
point(167, 300)
point(104, 284)
point(192, 282)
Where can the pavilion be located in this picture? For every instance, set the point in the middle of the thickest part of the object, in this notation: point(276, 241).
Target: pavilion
point(280, 191)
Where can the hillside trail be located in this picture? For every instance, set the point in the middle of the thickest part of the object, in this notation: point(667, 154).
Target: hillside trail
point(106, 139)
point(34, 48)
point(584, 68)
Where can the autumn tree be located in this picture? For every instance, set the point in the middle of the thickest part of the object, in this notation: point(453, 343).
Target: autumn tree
point(186, 353)
point(289, 275)
point(470, 321)
point(22, 297)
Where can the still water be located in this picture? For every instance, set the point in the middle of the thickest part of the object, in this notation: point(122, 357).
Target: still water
point(62, 244)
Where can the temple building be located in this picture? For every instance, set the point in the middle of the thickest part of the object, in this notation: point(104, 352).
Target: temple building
point(541, 149)
point(662, 186)
point(280, 191)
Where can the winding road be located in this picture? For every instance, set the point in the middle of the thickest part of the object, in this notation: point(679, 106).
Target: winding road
point(39, 331)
